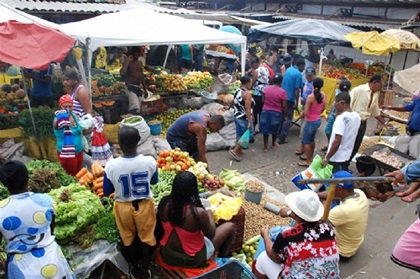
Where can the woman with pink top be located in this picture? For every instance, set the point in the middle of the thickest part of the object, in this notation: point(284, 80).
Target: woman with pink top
point(315, 105)
point(274, 108)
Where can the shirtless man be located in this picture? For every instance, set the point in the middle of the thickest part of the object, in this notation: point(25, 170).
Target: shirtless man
point(132, 71)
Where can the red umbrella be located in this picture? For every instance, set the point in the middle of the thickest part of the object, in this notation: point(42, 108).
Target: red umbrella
point(31, 45)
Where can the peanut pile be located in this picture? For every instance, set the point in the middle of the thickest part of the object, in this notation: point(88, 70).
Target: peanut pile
point(387, 159)
point(256, 217)
point(254, 186)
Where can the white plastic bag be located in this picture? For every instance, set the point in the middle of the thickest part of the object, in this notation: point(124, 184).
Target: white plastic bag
point(141, 126)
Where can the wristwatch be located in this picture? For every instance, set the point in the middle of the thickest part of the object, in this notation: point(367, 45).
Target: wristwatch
point(288, 212)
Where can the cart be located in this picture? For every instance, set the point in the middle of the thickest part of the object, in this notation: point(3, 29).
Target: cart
point(382, 166)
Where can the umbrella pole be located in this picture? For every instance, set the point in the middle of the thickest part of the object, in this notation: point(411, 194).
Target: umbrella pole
point(389, 74)
point(405, 59)
point(166, 56)
point(31, 114)
point(328, 202)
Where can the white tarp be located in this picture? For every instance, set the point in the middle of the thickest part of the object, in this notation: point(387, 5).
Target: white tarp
point(143, 27)
point(408, 79)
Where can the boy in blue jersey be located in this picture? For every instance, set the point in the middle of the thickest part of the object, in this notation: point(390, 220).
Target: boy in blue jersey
point(130, 177)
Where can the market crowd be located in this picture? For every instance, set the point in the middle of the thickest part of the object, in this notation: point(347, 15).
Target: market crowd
point(275, 94)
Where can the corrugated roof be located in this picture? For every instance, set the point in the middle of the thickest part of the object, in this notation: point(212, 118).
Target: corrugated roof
point(384, 25)
point(78, 6)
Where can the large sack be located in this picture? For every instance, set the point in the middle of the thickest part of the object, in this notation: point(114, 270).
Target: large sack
point(141, 125)
point(153, 146)
point(221, 83)
point(215, 142)
point(229, 134)
point(194, 103)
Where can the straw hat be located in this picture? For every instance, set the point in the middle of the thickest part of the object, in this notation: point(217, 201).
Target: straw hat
point(306, 205)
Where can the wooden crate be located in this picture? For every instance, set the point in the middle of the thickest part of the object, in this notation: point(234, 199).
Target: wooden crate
point(239, 221)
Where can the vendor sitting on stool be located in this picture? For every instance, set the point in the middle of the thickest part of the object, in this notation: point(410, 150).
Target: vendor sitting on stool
point(409, 143)
point(307, 250)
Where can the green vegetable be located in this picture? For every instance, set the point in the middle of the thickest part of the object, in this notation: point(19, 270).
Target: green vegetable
point(76, 208)
point(8, 121)
point(43, 117)
point(133, 120)
point(106, 228)
point(63, 178)
point(164, 186)
point(4, 192)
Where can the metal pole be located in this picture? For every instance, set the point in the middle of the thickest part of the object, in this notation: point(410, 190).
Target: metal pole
point(330, 197)
point(371, 179)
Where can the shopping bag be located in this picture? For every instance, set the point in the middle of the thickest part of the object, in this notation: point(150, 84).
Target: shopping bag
point(244, 139)
point(101, 151)
point(315, 170)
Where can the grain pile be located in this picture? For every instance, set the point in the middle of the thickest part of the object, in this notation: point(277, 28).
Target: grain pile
point(369, 142)
point(256, 217)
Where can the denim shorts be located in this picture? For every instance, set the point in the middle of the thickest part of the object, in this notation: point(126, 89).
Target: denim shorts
point(270, 122)
point(241, 126)
point(330, 123)
point(309, 131)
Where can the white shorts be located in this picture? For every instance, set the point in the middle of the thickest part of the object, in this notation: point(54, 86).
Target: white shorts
point(209, 247)
point(267, 267)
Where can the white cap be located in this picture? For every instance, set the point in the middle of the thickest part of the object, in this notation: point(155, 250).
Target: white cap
point(305, 204)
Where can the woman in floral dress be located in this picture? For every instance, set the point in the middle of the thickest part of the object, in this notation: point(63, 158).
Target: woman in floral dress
point(306, 250)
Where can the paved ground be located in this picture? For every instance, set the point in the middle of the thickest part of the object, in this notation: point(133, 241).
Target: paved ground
point(386, 221)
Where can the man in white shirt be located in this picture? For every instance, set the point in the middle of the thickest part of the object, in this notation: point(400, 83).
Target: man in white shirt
point(343, 135)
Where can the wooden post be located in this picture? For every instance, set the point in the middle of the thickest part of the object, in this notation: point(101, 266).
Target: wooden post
point(330, 197)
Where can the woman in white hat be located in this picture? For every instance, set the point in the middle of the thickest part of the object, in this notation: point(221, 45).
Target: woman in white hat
point(306, 250)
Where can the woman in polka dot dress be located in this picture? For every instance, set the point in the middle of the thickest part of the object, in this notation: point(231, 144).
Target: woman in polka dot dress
point(25, 223)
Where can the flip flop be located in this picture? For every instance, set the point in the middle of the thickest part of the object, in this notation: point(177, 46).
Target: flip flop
point(303, 164)
point(303, 158)
point(299, 152)
point(236, 157)
point(325, 148)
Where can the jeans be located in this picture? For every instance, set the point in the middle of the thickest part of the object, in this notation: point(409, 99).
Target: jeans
point(359, 138)
point(284, 132)
point(309, 131)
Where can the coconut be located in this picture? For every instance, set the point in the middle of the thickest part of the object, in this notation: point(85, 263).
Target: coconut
point(228, 99)
point(21, 93)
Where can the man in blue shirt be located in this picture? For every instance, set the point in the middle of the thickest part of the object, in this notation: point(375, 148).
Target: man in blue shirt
point(41, 94)
point(409, 143)
point(292, 84)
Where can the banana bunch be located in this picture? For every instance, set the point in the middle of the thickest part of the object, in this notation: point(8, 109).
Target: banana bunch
point(173, 82)
point(198, 80)
point(77, 52)
point(233, 179)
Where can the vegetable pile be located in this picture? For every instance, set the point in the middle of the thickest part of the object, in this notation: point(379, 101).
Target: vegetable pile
point(164, 186)
point(76, 209)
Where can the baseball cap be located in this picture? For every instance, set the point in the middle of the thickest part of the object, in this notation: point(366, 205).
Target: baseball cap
point(287, 59)
point(305, 204)
point(310, 71)
point(344, 174)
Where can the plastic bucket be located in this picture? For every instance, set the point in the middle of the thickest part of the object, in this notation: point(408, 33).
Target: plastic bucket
point(253, 196)
point(155, 127)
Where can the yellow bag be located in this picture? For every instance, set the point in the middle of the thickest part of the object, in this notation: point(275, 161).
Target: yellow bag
point(224, 207)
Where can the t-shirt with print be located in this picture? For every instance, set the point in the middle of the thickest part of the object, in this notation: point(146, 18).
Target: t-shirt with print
point(308, 250)
point(262, 80)
point(346, 125)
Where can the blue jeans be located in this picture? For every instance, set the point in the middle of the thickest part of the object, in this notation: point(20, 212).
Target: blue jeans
point(284, 132)
point(241, 126)
point(309, 131)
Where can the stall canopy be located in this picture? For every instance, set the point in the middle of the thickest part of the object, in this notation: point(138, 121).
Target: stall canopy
point(143, 27)
point(373, 43)
point(408, 79)
point(313, 30)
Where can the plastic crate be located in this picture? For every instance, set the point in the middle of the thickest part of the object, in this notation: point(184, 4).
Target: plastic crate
point(232, 269)
point(239, 221)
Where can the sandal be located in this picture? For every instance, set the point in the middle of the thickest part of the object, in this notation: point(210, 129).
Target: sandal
point(303, 158)
point(299, 152)
point(303, 164)
point(325, 148)
point(236, 157)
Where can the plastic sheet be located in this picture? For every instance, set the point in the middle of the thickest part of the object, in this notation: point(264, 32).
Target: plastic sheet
point(84, 261)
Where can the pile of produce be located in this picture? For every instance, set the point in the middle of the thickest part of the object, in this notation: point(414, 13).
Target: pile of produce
point(94, 180)
point(105, 85)
point(369, 142)
point(105, 227)
point(198, 80)
point(335, 72)
point(170, 82)
point(233, 179)
point(164, 186)
point(388, 159)
point(8, 121)
point(76, 209)
point(45, 176)
point(43, 116)
point(174, 160)
point(254, 186)
point(168, 117)
point(150, 80)
point(233, 87)
point(400, 115)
